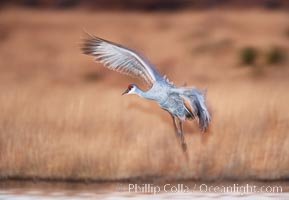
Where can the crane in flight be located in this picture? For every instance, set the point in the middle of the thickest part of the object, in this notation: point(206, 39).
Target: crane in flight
point(183, 103)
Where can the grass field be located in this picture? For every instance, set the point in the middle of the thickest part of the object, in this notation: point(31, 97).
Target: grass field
point(63, 117)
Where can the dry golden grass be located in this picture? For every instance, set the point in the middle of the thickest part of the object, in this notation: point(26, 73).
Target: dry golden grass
point(62, 115)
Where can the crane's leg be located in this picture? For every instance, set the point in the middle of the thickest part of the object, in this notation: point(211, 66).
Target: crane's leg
point(178, 133)
point(184, 145)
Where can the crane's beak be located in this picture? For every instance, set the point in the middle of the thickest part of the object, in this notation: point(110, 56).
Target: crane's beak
point(125, 92)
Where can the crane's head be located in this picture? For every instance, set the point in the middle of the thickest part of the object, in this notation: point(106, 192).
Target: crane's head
point(131, 88)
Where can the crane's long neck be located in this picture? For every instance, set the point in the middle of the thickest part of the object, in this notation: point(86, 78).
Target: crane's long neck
point(145, 95)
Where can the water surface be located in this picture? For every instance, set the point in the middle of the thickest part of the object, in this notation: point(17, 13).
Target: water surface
point(11, 190)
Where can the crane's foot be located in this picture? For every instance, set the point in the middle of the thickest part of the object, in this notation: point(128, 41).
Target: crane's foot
point(184, 147)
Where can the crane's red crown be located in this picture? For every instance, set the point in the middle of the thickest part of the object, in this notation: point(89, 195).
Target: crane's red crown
point(130, 87)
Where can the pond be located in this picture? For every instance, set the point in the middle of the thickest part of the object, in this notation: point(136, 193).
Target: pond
point(27, 190)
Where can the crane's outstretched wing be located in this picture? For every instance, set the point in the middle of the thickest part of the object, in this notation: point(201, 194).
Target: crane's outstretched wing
point(120, 59)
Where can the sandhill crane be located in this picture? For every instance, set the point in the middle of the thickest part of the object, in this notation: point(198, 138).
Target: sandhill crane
point(181, 102)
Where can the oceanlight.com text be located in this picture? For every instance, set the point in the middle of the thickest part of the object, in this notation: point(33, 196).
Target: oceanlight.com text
point(201, 188)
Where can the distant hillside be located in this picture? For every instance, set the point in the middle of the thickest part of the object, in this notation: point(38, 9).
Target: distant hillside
point(151, 5)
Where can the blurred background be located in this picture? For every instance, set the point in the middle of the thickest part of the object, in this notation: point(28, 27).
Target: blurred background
point(62, 116)
point(150, 5)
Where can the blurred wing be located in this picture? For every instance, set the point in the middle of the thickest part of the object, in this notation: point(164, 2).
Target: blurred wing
point(195, 103)
point(120, 59)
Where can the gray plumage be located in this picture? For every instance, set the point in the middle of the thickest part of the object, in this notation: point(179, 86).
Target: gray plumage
point(181, 102)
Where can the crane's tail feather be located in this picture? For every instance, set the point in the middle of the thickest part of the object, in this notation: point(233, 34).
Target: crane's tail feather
point(195, 103)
